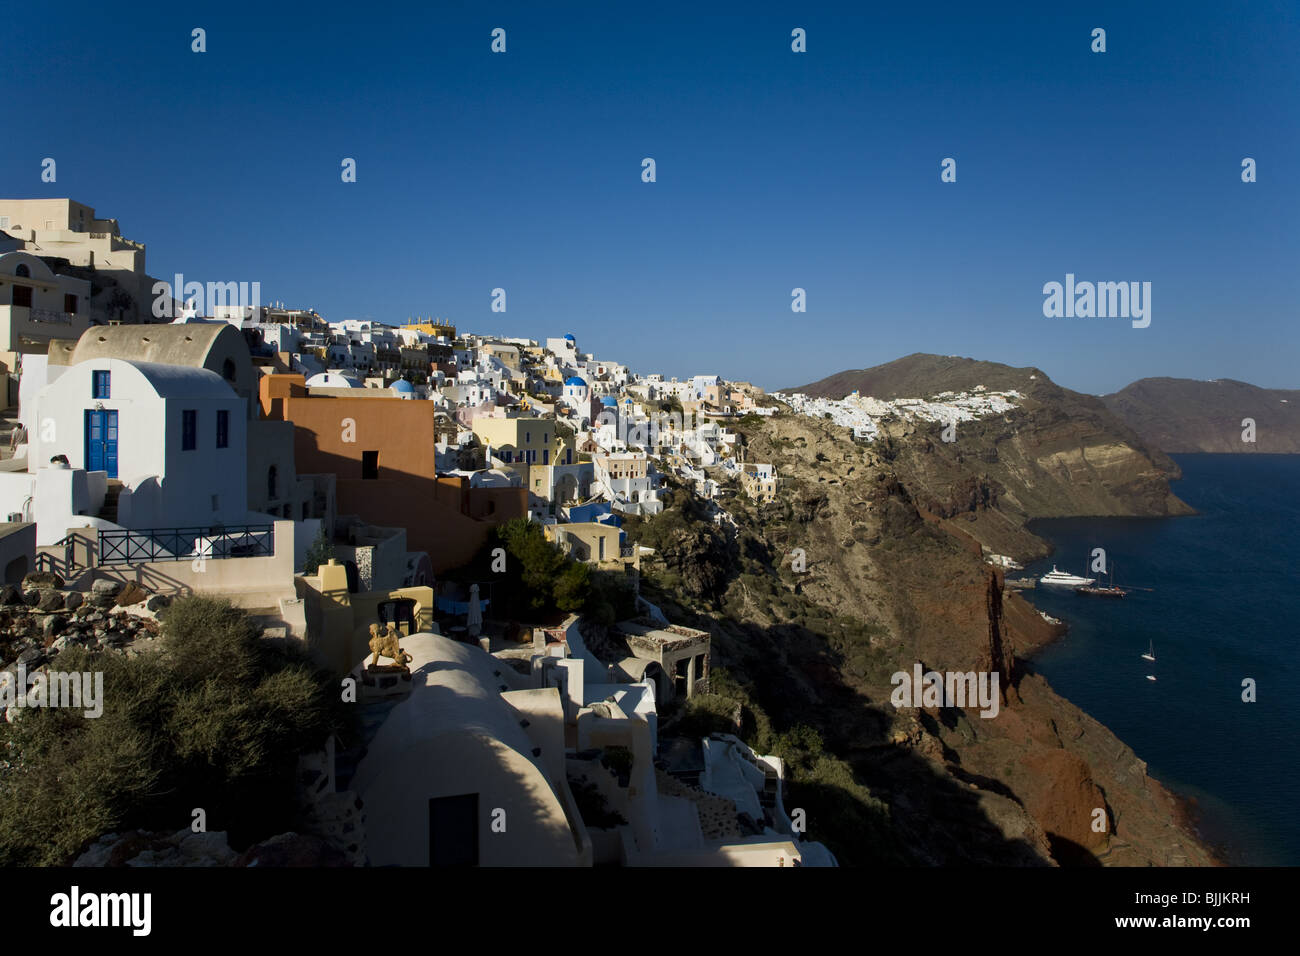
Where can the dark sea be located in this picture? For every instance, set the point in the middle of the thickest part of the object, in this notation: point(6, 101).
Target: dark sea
point(1224, 606)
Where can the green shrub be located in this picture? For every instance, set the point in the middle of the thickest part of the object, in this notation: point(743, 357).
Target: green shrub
point(216, 719)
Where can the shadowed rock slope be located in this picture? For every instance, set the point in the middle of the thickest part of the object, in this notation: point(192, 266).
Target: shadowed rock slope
point(891, 534)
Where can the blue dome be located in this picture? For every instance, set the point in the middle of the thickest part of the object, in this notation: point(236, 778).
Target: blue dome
point(401, 385)
point(609, 401)
point(574, 380)
point(569, 337)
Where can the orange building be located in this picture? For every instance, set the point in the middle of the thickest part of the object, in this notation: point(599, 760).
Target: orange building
point(381, 452)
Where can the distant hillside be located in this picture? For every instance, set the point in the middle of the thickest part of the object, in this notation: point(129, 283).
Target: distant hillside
point(1059, 454)
point(1185, 415)
point(920, 375)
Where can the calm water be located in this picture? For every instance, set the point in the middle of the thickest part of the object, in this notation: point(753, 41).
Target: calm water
point(1225, 606)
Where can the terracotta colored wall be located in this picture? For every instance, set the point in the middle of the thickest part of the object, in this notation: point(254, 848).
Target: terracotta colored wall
point(273, 389)
point(442, 516)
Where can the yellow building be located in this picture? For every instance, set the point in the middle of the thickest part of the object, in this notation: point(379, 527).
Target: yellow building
point(37, 305)
point(70, 230)
point(593, 542)
point(445, 329)
point(759, 482)
point(523, 441)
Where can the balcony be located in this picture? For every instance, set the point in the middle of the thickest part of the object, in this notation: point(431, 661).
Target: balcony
point(50, 316)
point(184, 544)
point(26, 329)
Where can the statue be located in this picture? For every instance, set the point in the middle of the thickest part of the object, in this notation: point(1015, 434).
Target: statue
point(387, 645)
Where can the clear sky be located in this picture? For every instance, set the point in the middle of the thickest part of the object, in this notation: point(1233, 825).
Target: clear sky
point(775, 170)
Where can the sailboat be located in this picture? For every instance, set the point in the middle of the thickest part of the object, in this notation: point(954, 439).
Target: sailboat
point(1102, 590)
point(1150, 655)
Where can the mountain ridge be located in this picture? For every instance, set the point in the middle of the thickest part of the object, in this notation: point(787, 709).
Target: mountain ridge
point(1187, 416)
point(1169, 415)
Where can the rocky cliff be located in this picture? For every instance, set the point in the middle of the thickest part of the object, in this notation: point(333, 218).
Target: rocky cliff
point(869, 562)
point(1058, 454)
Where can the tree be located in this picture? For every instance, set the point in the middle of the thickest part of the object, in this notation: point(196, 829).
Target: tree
point(320, 552)
point(573, 587)
point(535, 564)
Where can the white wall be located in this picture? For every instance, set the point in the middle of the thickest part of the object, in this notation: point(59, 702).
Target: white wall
point(165, 485)
point(15, 488)
point(35, 370)
point(59, 497)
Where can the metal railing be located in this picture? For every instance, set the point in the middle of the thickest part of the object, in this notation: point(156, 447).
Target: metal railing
point(185, 544)
point(48, 562)
point(50, 316)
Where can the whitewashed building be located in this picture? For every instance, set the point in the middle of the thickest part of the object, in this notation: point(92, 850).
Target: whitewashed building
point(167, 442)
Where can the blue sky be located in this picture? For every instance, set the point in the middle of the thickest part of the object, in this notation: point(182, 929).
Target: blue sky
point(775, 170)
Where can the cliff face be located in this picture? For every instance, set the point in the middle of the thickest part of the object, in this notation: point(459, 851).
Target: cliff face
point(891, 534)
point(1181, 415)
point(1058, 454)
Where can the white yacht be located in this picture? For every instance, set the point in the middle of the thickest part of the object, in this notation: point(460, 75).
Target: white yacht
point(1063, 579)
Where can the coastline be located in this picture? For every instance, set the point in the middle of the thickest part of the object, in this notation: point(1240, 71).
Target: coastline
point(1210, 830)
point(1213, 830)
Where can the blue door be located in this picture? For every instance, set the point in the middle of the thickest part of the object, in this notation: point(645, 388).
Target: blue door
point(101, 441)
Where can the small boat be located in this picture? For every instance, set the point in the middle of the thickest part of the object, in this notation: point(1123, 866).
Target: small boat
point(1063, 579)
point(1151, 677)
point(1150, 655)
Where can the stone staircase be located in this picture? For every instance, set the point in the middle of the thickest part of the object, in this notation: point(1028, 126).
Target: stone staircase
point(108, 511)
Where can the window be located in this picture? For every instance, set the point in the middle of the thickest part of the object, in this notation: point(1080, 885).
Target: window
point(272, 480)
point(528, 438)
point(189, 429)
point(100, 384)
point(228, 370)
point(223, 428)
point(69, 303)
point(370, 464)
point(4, 222)
point(22, 271)
point(22, 295)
